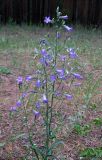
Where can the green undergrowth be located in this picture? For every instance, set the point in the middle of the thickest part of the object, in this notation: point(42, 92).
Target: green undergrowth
point(91, 154)
point(85, 129)
point(4, 70)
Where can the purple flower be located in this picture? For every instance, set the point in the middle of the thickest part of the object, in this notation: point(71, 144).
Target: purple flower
point(28, 78)
point(72, 53)
point(36, 114)
point(60, 73)
point(47, 20)
point(43, 52)
point(69, 97)
point(24, 95)
point(52, 78)
point(38, 83)
point(14, 108)
point(45, 100)
point(63, 17)
point(19, 80)
point(19, 103)
point(67, 28)
point(43, 61)
point(48, 58)
point(58, 35)
point(37, 105)
point(77, 75)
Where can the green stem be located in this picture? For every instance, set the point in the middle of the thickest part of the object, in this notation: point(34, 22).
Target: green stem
point(53, 86)
point(47, 116)
point(49, 119)
point(30, 139)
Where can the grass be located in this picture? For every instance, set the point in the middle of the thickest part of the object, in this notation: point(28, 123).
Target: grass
point(21, 39)
point(17, 46)
point(4, 70)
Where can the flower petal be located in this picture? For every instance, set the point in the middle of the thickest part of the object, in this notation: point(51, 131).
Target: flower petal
point(47, 20)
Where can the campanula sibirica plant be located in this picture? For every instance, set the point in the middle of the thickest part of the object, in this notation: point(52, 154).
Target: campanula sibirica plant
point(53, 74)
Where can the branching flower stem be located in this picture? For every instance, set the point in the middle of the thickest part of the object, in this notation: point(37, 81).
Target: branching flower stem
point(53, 86)
point(47, 115)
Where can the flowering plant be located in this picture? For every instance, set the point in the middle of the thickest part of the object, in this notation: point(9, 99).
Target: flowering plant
point(48, 87)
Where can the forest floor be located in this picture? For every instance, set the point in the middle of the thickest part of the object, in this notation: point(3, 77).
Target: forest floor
point(17, 46)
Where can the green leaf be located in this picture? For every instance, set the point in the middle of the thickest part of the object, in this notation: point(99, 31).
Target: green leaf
point(2, 144)
point(91, 152)
point(82, 130)
point(93, 106)
point(52, 135)
point(97, 121)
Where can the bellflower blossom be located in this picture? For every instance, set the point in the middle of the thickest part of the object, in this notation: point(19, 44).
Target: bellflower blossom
point(77, 75)
point(37, 104)
point(60, 73)
point(58, 35)
point(67, 27)
point(63, 17)
point(19, 103)
point(24, 95)
point(43, 52)
point(14, 108)
point(53, 78)
point(36, 114)
point(38, 83)
point(45, 55)
point(69, 97)
point(43, 61)
point(47, 20)
point(72, 53)
point(45, 100)
point(28, 78)
point(19, 80)
point(48, 58)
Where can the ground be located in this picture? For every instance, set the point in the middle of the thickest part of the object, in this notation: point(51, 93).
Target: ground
point(16, 50)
